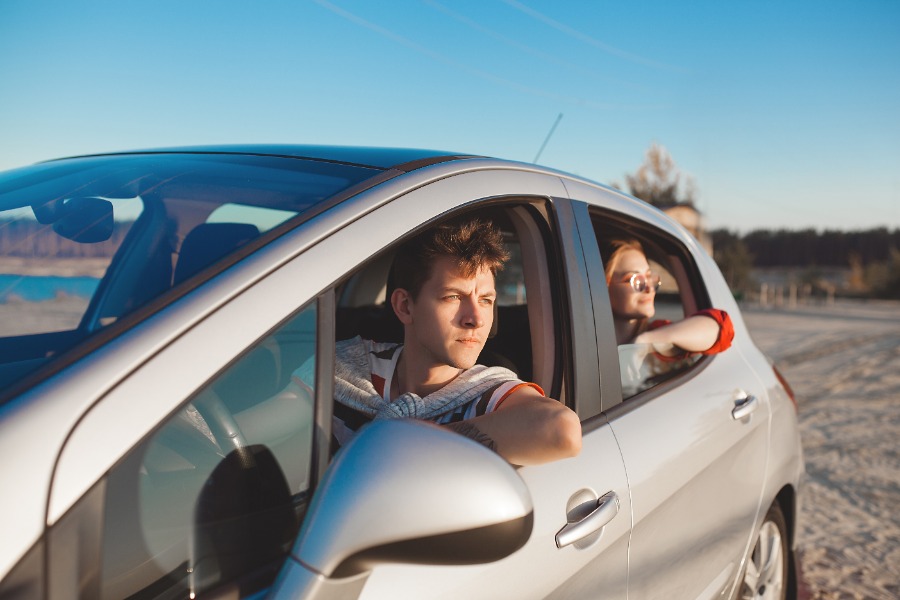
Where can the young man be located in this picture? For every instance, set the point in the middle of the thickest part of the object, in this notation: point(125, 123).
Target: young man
point(444, 296)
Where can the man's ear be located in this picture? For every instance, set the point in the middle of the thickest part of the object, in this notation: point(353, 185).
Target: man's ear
point(401, 302)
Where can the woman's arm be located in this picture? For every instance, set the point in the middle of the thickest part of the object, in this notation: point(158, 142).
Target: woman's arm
point(697, 333)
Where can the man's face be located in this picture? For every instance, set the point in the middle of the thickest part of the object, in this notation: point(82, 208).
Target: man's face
point(450, 319)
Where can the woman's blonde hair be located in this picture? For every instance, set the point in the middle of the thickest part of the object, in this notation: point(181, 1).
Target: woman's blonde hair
point(616, 249)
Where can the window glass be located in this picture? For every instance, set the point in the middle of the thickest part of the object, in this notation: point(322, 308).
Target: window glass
point(48, 279)
point(652, 261)
point(263, 219)
point(216, 495)
point(86, 242)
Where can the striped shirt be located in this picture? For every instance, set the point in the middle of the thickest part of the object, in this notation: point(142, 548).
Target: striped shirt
point(382, 362)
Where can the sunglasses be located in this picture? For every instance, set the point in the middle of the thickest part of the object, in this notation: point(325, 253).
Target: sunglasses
point(641, 282)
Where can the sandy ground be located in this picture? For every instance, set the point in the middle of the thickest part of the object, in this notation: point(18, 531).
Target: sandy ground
point(18, 317)
point(844, 365)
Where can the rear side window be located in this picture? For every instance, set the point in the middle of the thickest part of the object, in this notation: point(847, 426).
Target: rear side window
point(637, 257)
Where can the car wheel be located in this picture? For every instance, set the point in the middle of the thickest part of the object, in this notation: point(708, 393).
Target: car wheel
point(766, 574)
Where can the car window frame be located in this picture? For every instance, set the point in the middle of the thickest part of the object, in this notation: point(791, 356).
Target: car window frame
point(598, 307)
point(541, 212)
point(692, 290)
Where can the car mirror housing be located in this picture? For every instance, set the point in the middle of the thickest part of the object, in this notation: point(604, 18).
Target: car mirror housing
point(461, 503)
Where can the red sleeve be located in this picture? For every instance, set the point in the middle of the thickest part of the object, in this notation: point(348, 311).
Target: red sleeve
point(722, 343)
point(726, 330)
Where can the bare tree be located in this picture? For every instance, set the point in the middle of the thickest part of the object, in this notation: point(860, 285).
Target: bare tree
point(658, 179)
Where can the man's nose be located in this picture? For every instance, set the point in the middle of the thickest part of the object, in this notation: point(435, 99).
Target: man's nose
point(471, 314)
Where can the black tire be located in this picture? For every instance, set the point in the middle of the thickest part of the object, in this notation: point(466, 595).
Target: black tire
point(765, 575)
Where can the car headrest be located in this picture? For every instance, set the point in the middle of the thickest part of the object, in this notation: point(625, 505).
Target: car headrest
point(207, 243)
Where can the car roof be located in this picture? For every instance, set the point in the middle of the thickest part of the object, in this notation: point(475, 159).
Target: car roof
point(403, 159)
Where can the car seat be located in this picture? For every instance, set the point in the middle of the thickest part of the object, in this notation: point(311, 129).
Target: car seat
point(207, 243)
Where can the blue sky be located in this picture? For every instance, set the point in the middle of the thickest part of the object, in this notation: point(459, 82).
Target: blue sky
point(786, 114)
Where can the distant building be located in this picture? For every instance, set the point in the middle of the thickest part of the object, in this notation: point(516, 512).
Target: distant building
point(691, 219)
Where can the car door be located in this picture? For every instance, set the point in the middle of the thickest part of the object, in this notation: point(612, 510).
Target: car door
point(592, 563)
point(694, 440)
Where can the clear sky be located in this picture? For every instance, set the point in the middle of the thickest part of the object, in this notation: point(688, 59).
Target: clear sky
point(786, 114)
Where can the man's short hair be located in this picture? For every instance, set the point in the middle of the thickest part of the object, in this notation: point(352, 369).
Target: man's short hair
point(472, 243)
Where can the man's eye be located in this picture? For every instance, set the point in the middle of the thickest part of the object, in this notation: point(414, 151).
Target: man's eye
point(452, 297)
point(487, 301)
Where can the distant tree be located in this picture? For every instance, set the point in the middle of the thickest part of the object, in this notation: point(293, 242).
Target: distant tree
point(806, 247)
point(883, 277)
point(857, 279)
point(658, 179)
point(734, 260)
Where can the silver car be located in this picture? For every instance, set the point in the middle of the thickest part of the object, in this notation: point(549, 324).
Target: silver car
point(155, 305)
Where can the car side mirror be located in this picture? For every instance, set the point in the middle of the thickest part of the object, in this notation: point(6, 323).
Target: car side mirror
point(405, 491)
point(243, 518)
point(85, 220)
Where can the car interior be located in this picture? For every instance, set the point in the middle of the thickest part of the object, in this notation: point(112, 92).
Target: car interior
point(218, 491)
point(148, 262)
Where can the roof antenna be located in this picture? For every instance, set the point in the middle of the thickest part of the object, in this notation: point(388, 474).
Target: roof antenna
point(547, 139)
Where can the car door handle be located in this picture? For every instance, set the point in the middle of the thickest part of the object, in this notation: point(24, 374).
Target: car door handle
point(744, 406)
point(607, 507)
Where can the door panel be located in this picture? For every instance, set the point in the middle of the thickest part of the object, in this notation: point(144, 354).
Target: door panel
point(595, 566)
point(540, 569)
point(695, 468)
point(696, 474)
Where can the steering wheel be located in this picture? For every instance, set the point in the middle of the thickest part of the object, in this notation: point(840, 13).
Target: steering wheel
point(221, 423)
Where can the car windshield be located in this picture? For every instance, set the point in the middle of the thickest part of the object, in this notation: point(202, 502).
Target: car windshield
point(85, 242)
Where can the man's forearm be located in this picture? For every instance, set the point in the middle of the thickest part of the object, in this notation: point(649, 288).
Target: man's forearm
point(468, 429)
point(527, 431)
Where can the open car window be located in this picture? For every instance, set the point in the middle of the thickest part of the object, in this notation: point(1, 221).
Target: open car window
point(526, 331)
point(680, 294)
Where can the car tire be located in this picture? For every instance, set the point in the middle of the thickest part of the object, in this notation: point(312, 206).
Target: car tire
point(766, 574)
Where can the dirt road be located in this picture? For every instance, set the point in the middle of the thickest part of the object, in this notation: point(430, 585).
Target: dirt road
point(844, 365)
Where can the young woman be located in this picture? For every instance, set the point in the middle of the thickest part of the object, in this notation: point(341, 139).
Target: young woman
point(632, 291)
